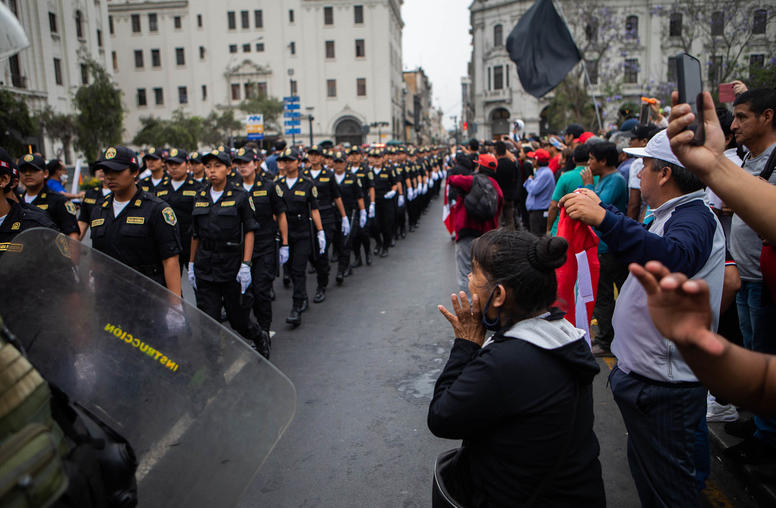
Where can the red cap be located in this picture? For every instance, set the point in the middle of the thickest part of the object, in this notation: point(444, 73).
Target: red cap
point(487, 160)
point(541, 155)
point(584, 137)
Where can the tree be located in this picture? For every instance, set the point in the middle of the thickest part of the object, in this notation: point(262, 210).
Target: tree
point(59, 126)
point(761, 77)
point(181, 131)
point(16, 124)
point(262, 104)
point(100, 116)
point(217, 128)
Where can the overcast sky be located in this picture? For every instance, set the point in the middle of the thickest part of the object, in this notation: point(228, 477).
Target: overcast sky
point(436, 37)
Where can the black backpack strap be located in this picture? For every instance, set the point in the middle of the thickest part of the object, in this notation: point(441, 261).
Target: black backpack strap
point(769, 166)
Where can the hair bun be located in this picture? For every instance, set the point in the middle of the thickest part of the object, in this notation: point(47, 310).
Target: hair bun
point(548, 253)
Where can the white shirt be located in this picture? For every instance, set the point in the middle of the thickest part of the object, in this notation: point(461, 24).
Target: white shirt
point(105, 191)
point(118, 206)
point(247, 187)
point(3, 219)
point(29, 198)
point(177, 185)
point(291, 181)
point(634, 182)
point(315, 172)
point(155, 181)
point(215, 195)
point(339, 178)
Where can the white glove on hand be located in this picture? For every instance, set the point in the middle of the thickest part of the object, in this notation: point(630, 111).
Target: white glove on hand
point(283, 254)
point(322, 241)
point(390, 194)
point(425, 188)
point(192, 278)
point(410, 192)
point(362, 219)
point(401, 201)
point(372, 210)
point(345, 226)
point(244, 277)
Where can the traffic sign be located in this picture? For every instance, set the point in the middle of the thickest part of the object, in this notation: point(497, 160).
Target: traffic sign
point(292, 122)
point(292, 105)
point(295, 130)
point(293, 98)
point(292, 114)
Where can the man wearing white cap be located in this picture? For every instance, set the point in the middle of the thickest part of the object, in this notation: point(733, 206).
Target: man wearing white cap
point(661, 400)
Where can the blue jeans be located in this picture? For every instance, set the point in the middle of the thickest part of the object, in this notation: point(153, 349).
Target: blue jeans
point(662, 421)
point(757, 319)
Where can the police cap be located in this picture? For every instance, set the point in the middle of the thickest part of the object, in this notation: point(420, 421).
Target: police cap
point(244, 155)
point(7, 164)
point(195, 157)
point(354, 150)
point(177, 156)
point(35, 162)
point(289, 154)
point(152, 153)
point(315, 149)
point(338, 157)
point(117, 158)
point(220, 154)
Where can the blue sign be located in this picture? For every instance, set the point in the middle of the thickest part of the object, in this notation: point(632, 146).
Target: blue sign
point(256, 135)
point(292, 122)
point(293, 131)
point(293, 98)
point(292, 105)
point(292, 114)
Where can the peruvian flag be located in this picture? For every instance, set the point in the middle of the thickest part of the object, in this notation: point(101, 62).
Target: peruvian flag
point(578, 277)
point(447, 217)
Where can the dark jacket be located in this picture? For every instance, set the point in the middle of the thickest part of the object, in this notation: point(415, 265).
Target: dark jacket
point(512, 403)
point(506, 176)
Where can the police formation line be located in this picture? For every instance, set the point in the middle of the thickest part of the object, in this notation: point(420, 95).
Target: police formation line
point(230, 224)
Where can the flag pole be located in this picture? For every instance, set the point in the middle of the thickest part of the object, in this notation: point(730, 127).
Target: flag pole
point(584, 68)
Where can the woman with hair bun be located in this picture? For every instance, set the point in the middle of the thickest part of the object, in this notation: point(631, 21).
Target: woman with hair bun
point(521, 401)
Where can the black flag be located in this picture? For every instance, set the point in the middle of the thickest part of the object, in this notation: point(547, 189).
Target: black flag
point(543, 49)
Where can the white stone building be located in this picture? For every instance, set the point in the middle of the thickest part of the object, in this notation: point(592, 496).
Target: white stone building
point(652, 33)
point(50, 70)
point(341, 57)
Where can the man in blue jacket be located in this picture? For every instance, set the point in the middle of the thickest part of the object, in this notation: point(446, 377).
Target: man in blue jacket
point(661, 401)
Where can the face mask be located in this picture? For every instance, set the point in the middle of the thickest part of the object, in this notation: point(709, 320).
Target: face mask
point(494, 325)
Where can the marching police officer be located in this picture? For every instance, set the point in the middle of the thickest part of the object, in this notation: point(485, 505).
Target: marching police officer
point(133, 226)
point(180, 191)
point(328, 198)
point(93, 197)
point(300, 195)
point(366, 178)
point(352, 199)
point(221, 250)
point(33, 174)
point(197, 168)
point(386, 188)
point(268, 249)
point(155, 164)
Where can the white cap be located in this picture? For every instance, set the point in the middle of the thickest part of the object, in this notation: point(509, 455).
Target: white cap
point(659, 147)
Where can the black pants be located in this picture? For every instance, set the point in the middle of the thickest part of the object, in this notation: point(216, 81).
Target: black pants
point(613, 273)
point(183, 257)
point(361, 238)
point(299, 251)
point(385, 214)
point(211, 296)
point(400, 224)
point(321, 261)
point(263, 274)
point(537, 222)
point(344, 244)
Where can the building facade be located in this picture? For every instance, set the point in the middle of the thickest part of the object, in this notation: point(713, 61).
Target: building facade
point(629, 46)
point(418, 108)
point(62, 33)
point(342, 58)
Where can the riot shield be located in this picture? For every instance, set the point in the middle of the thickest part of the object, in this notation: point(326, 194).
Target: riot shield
point(200, 408)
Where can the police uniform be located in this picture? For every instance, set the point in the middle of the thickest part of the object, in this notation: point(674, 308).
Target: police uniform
point(55, 205)
point(385, 213)
point(300, 200)
point(220, 227)
point(92, 197)
point(21, 218)
point(147, 184)
point(350, 191)
point(268, 205)
point(366, 177)
point(196, 158)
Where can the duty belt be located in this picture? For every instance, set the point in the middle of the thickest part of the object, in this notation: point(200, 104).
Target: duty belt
point(297, 217)
point(219, 246)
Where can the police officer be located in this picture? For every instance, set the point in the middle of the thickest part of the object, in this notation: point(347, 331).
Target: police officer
point(154, 162)
point(133, 226)
point(197, 168)
point(386, 188)
point(15, 217)
point(33, 174)
point(270, 243)
point(352, 199)
point(366, 178)
point(180, 191)
point(331, 209)
point(93, 197)
point(300, 195)
point(221, 249)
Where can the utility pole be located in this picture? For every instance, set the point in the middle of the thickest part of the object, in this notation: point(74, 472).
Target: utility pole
point(310, 118)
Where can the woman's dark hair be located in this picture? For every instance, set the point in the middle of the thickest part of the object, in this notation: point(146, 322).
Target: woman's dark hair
point(524, 264)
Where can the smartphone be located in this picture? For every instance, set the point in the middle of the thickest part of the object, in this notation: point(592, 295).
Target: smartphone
point(644, 115)
point(688, 74)
point(726, 93)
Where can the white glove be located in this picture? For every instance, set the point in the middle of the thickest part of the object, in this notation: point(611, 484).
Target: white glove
point(283, 254)
point(322, 241)
point(244, 277)
point(192, 278)
point(345, 226)
point(390, 194)
point(410, 191)
point(425, 187)
point(401, 201)
point(372, 210)
point(362, 219)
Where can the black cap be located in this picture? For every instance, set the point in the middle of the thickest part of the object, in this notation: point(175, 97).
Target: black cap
point(195, 157)
point(643, 131)
point(574, 129)
point(117, 158)
point(353, 150)
point(339, 156)
point(177, 155)
point(244, 155)
point(152, 153)
point(221, 155)
point(289, 154)
point(7, 164)
point(315, 149)
point(31, 161)
point(375, 152)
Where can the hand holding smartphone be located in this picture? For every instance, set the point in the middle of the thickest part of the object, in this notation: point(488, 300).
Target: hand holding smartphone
point(688, 73)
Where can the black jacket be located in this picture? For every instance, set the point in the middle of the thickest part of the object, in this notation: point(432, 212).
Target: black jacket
point(511, 402)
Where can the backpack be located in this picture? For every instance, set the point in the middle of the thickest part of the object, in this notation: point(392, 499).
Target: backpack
point(481, 202)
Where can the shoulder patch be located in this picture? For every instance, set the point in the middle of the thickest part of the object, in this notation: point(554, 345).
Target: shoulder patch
point(279, 191)
point(250, 202)
point(315, 192)
point(70, 207)
point(169, 216)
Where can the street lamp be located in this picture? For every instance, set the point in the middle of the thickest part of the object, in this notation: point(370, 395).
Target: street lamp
point(310, 118)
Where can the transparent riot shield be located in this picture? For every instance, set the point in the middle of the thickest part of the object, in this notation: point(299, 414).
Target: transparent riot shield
point(200, 408)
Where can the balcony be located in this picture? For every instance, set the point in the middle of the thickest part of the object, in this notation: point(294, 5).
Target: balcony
point(503, 95)
point(18, 81)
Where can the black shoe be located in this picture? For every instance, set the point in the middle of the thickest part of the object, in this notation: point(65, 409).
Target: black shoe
point(357, 262)
point(294, 318)
point(348, 272)
point(263, 344)
point(320, 295)
point(383, 253)
point(375, 251)
point(368, 259)
point(340, 278)
point(743, 428)
point(752, 451)
point(304, 305)
point(311, 270)
point(403, 234)
point(412, 229)
point(286, 282)
point(272, 294)
point(393, 244)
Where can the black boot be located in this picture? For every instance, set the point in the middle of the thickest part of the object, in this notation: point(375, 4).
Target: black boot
point(357, 262)
point(272, 294)
point(294, 318)
point(320, 295)
point(304, 305)
point(340, 278)
point(263, 344)
point(368, 258)
point(348, 272)
point(286, 281)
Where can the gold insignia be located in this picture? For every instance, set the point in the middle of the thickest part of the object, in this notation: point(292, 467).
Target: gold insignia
point(70, 207)
point(43, 207)
point(194, 155)
point(300, 193)
point(16, 226)
point(370, 175)
point(279, 191)
point(189, 193)
point(229, 193)
point(315, 192)
point(152, 150)
point(138, 202)
point(29, 157)
point(260, 193)
point(241, 151)
point(227, 203)
point(201, 204)
point(135, 220)
point(221, 148)
point(110, 153)
point(169, 216)
point(347, 181)
point(162, 193)
point(214, 152)
point(324, 180)
point(105, 204)
point(98, 222)
point(90, 201)
point(250, 202)
point(145, 188)
point(11, 247)
point(173, 152)
point(202, 193)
